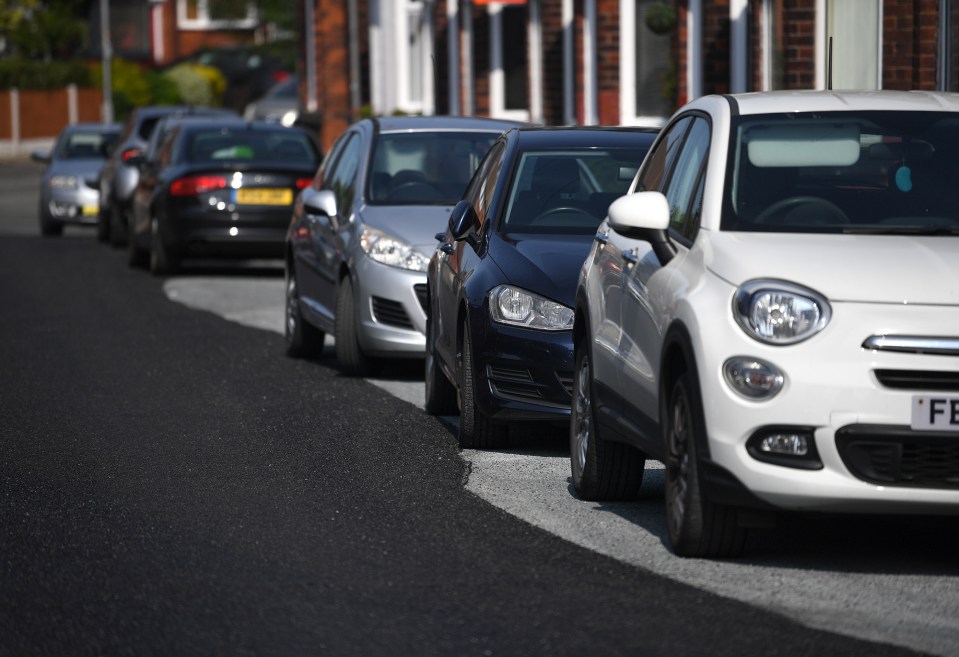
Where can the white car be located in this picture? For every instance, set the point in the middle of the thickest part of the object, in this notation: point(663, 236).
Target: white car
point(773, 312)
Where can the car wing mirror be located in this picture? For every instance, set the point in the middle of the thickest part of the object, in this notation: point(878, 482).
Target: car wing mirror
point(463, 222)
point(644, 216)
point(41, 155)
point(320, 202)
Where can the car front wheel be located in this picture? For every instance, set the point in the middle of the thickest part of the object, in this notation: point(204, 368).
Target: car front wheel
point(476, 430)
point(697, 526)
point(303, 340)
point(348, 350)
point(440, 393)
point(601, 469)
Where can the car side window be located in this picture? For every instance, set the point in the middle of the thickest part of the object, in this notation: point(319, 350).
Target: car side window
point(681, 187)
point(481, 188)
point(342, 179)
point(323, 172)
point(661, 158)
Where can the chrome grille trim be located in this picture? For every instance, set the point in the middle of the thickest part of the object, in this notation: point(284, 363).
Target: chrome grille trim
point(913, 344)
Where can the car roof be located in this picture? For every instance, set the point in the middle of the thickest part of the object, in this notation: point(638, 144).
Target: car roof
point(582, 136)
point(93, 127)
point(238, 124)
point(437, 123)
point(779, 102)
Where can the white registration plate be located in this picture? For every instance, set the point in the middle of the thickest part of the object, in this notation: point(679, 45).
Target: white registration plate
point(935, 412)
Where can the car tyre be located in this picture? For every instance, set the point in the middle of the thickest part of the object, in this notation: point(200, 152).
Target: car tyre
point(476, 430)
point(601, 469)
point(440, 393)
point(353, 360)
point(118, 227)
point(50, 228)
point(103, 226)
point(162, 262)
point(136, 257)
point(697, 526)
point(303, 340)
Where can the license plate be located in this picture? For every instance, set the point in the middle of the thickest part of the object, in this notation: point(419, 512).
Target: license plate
point(264, 196)
point(91, 210)
point(935, 412)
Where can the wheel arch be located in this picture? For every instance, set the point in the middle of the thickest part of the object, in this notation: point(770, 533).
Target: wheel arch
point(678, 357)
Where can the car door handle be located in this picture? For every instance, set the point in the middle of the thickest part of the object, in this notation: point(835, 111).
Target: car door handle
point(630, 257)
point(601, 237)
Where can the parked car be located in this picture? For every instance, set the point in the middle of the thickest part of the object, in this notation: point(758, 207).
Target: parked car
point(362, 234)
point(771, 312)
point(281, 104)
point(221, 188)
point(118, 178)
point(500, 287)
point(69, 192)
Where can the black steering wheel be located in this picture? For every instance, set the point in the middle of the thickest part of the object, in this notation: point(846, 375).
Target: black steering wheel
point(803, 211)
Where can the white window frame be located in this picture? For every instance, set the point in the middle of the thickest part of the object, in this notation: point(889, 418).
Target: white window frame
point(627, 69)
point(497, 79)
point(405, 100)
point(822, 44)
point(204, 22)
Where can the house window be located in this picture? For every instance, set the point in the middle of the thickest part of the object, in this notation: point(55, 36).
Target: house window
point(509, 67)
point(948, 53)
point(646, 77)
point(854, 26)
point(214, 15)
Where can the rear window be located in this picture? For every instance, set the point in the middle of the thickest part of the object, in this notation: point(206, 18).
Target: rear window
point(224, 145)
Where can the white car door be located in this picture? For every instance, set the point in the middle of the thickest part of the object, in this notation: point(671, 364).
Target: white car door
point(650, 289)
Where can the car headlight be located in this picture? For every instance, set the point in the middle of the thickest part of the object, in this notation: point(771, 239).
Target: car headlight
point(391, 251)
point(63, 182)
point(515, 306)
point(777, 312)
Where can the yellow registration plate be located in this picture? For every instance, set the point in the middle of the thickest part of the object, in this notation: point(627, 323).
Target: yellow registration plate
point(91, 210)
point(264, 196)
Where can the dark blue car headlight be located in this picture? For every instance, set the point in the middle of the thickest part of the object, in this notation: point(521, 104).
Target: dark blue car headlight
point(517, 307)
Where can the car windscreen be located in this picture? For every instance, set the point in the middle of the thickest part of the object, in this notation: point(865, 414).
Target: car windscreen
point(843, 172)
point(84, 145)
point(424, 168)
point(226, 145)
point(567, 191)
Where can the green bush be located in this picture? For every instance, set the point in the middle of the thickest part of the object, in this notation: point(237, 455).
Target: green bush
point(197, 84)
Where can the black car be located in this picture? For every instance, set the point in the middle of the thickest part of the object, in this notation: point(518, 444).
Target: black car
point(118, 178)
point(223, 188)
point(501, 284)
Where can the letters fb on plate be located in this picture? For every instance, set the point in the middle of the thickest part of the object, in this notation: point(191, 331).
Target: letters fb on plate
point(935, 413)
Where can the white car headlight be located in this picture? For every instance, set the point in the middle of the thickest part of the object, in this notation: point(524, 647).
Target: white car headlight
point(63, 182)
point(391, 251)
point(777, 312)
point(513, 305)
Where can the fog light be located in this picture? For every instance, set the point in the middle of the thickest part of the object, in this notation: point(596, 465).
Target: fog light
point(784, 443)
point(793, 447)
point(753, 378)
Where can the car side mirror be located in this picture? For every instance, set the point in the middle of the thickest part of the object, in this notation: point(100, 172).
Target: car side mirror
point(41, 156)
point(463, 222)
point(319, 202)
point(644, 216)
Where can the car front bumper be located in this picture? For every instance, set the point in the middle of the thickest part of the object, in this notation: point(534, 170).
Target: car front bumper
point(75, 206)
point(390, 309)
point(836, 389)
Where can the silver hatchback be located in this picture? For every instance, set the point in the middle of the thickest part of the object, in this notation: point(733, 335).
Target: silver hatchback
point(363, 233)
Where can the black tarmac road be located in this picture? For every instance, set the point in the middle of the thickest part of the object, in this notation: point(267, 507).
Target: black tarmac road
point(171, 484)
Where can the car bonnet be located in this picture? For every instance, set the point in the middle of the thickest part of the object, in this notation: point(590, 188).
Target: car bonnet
point(416, 225)
point(547, 265)
point(847, 268)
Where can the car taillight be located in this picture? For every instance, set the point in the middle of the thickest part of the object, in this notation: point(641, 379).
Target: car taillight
point(193, 185)
point(303, 183)
point(130, 153)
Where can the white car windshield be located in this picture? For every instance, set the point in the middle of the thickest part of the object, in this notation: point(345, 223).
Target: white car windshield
point(844, 172)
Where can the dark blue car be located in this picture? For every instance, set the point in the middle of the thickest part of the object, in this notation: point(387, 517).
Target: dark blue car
point(501, 284)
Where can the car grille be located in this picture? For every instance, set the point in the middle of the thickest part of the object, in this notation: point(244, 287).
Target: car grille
point(892, 456)
point(420, 289)
point(519, 385)
point(386, 311)
point(918, 380)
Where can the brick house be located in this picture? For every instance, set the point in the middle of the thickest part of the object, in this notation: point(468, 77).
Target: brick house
point(598, 62)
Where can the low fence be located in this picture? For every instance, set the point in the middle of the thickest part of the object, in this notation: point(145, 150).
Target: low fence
point(32, 119)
